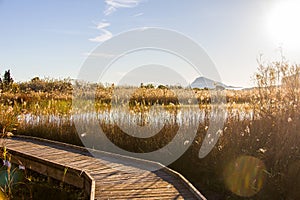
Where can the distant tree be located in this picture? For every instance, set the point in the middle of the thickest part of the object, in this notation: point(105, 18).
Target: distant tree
point(7, 79)
point(35, 79)
point(162, 87)
point(148, 86)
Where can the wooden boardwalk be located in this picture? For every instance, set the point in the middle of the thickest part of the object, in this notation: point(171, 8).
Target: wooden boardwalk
point(105, 176)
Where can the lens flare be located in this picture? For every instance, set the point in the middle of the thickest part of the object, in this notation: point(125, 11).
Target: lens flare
point(245, 176)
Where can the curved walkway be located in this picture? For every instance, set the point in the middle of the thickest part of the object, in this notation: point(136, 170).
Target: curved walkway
point(106, 176)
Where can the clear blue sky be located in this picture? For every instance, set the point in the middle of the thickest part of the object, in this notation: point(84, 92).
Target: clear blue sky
point(51, 38)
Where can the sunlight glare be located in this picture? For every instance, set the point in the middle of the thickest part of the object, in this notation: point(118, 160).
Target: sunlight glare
point(283, 24)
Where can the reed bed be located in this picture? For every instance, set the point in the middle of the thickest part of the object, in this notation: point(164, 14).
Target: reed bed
point(256, 157)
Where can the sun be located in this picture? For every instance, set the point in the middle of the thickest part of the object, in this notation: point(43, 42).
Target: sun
point(284, 24)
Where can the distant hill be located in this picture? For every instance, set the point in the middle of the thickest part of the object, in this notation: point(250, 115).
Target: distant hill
point(203, 82)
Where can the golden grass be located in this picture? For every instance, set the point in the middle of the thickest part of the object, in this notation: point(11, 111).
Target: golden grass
point(262, 123)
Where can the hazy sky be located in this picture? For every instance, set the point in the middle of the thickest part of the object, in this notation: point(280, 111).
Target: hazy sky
point(51, 38)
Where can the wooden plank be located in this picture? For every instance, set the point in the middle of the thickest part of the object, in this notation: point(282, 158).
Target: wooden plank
point(136, 194)
point(149, 185)
point(79, 162)
point(142, 192)
point(53, 156)
point(139, 186)
point(69, 158)
point(19, 146)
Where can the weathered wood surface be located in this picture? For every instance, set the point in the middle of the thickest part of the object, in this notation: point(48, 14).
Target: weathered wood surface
point(104, 176)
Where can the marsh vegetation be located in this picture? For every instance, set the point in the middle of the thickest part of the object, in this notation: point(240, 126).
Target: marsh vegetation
point(256, 156)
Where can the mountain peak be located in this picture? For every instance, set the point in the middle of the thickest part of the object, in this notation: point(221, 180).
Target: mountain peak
point(203, 82)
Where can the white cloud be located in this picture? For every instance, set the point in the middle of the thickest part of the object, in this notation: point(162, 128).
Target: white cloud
point(106, 35)
point(102, 25)
point(138, 14)
point(113, 5)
